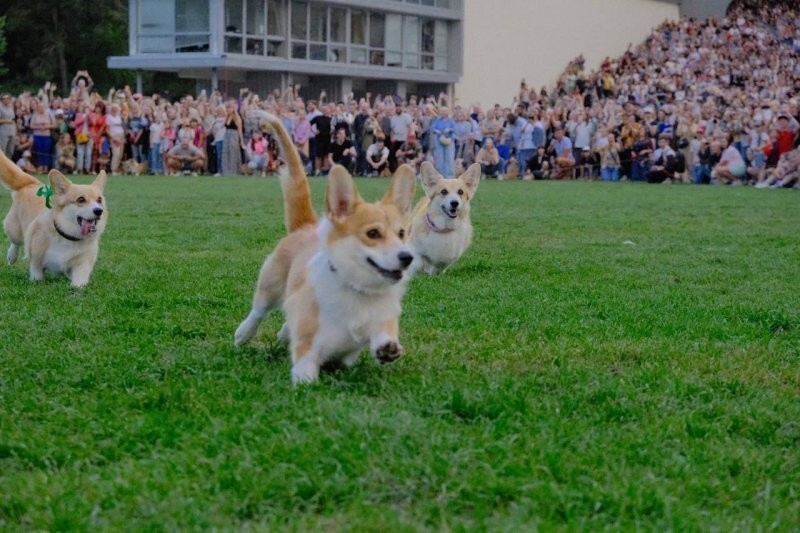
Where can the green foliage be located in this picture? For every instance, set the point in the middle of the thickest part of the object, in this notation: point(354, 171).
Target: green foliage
point(605, 356)
point(3, 45)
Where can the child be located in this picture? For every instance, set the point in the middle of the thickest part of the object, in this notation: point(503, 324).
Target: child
point(103, 153)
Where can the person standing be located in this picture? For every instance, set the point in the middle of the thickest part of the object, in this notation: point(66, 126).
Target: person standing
point(401, 124)
point(443, 131)
point(8, 125)
point(42, 125)
point(233, 142)
point(116, 132)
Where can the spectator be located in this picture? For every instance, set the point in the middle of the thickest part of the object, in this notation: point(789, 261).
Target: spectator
point(8, 125)
point(65, 154)
point(116, 133)
point(342, 151)
point(561, 152)
point(185, 158)
point(443, 132)
point(257, 153)
point(42, 124)
point(410, 152)
point(378, 158)
point(233, 142)
point(731, 168)
point(26, 162)
point(489, 159)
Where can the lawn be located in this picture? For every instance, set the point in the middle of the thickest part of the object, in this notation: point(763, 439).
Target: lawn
point(614, 356)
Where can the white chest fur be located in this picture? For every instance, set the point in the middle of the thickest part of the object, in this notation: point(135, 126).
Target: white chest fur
point(440, 250)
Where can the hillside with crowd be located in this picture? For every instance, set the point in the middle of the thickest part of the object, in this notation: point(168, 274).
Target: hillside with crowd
point(715, 101)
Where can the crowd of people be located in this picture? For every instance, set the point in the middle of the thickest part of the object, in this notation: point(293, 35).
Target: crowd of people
point(698, 101)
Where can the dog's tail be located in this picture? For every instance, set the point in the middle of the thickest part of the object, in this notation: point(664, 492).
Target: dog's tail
point(14, 177)
point(296, 192)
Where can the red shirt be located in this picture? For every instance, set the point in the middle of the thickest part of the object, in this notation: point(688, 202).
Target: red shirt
point(785, 141)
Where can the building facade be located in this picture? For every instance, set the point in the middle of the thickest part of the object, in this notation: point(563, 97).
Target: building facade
point(339, 46)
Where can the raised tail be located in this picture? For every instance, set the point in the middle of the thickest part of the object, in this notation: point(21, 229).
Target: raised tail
point(296, 193)
point(14, 177)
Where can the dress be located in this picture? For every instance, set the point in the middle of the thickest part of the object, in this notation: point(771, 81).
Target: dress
point(231, 151)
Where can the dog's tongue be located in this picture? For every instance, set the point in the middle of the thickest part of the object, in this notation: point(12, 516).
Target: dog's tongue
point(86, 227)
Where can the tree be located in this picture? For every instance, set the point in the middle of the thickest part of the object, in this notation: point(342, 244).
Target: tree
point(3, 44)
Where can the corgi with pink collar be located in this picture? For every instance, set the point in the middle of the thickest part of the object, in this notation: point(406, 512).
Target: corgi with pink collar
point(441, 229)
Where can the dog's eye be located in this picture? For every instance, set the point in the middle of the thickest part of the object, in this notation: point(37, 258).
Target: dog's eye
point(401, 234)
point(81, 200)
point(461, 192)
point(99, 199)
point(444, 192)
point(374, 234)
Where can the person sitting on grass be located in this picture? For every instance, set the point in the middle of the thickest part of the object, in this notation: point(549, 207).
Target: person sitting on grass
point(342, 151)
point(378, 157)
point(410, 152)
point(660, 168)
point(731, 168)
point(65, 154)
point(185, 157)
point(257, 153)
point(538, 166)
point(489, 159)
point(561, 152)
point(785, 173)
point(26, 162)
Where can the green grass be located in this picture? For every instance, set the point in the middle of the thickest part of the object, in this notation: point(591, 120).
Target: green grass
point(556, 377)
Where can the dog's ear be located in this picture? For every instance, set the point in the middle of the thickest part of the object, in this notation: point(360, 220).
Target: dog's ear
point(401, 192)
point(472, 178)
point(342, 197)
point(428, 175)
point(59, 182)
point(100, 180)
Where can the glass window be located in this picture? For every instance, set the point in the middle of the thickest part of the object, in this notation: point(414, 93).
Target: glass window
point(358, 55)
point(338, 25)
point(299, 22)
point(275, 14)
point(318, 23)
point(411, 34)
point(256, 17)
point(255, 47)
point(337, 54)
point(376, 57)
point(156, 27)
point(440, 63)
point(299, 50)
point(443, 3)
point(440, 45)
point(191, 16)
point(233, 16)
point(233, 45)
point(358, 27)
point(377, 30)
point(318, 52)
point(394, 32)
point(427, 36)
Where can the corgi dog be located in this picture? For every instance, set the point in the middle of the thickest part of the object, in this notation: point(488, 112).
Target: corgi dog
point(61, 234)
point(131, 167)
point(441, 230)
point(512, 169)
point(340, 282)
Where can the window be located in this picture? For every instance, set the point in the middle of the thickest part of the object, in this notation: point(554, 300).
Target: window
point(234, 16)
point(299, 24)
point(338, 25)
point(394, 40)
point(168, 27)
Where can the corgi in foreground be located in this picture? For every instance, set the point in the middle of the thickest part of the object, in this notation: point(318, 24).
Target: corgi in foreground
point(60, 228)
point(340, 282)
point(441, 230)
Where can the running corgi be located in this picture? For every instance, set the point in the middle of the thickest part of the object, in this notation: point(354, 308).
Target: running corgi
point(441, 230)
point(340, 282)
point(60, 234)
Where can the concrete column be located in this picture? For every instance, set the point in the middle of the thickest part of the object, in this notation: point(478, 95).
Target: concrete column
point(345, 88)
point(402, 89)
point(214, 79)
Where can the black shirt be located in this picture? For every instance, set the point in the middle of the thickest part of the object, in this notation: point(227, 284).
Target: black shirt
point(337, 150)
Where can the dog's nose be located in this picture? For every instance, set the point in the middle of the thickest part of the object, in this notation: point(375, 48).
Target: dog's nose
point(98, 211)
point(405, 258)
point(454, 204)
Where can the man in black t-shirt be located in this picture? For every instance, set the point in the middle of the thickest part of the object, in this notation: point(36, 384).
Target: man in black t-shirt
point(342, 151)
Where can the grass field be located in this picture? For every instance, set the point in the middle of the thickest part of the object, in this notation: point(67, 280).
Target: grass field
point(605, 356)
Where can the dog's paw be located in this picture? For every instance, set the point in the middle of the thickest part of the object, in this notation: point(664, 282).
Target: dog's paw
point(389, 352)
point(244, 333)
point(13, 253)
point(305, 371)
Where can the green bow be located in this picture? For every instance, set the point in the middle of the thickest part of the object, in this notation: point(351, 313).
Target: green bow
point(47, 192)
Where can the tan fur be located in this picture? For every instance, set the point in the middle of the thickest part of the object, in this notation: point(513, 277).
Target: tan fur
point(445, 206)
point(30, 224)
point(340, 282)
point(458, 166)
point(512, 170)
point(130, 166)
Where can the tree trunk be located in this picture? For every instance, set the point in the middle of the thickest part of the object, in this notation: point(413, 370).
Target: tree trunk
point(58, 33)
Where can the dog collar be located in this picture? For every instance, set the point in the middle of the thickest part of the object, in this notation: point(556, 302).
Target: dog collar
point(66, 236)
point(432, 226)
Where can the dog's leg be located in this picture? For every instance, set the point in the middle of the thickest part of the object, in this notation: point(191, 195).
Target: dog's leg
point(306, 363)
point(80, 275)
point(36, 270)
point(267, 296)
point(283, 334)
point(350, 360)
point(13, 253)
point(384, 345)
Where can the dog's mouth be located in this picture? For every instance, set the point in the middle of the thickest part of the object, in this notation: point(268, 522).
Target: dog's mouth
point(452, 212)
point(88, 225)
point(394, 275)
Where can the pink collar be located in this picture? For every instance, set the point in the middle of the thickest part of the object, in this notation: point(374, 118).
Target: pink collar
point(433, 228)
